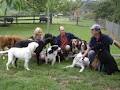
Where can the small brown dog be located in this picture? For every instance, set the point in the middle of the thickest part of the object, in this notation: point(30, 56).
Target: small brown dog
point(8, 41)
point(95, 64)
point(78, 45)
point(75, 45)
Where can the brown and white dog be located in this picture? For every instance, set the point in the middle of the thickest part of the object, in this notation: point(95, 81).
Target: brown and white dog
point(78, 45)
point(78, 60)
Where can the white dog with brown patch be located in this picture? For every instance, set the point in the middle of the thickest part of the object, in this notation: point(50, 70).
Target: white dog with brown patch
point(79, 61)
point(21, 53)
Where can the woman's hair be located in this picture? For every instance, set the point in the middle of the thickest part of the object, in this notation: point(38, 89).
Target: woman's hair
point(37, 31)
point(61, 27)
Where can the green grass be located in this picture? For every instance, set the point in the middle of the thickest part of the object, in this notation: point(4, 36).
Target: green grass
point(46, 77)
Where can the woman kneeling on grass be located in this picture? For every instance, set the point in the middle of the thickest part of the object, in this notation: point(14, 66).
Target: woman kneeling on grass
point(100, 45)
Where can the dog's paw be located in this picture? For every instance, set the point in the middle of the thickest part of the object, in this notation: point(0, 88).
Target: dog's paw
point(64, 67)
point(81, 71)
point(27, 69)
point(8, 69)
point(3, 58)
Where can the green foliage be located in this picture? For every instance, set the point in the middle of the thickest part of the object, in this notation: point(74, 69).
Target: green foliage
point(6, 5)
point(105, 10)
point(37, 6)
point(109, 9)
point(57, 6)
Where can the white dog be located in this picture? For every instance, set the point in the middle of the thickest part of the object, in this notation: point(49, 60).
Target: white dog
point(79, 62)
point(21, 53)
point(52, 52)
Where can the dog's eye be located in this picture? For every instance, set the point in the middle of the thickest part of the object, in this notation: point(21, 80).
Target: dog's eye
point(50, 52)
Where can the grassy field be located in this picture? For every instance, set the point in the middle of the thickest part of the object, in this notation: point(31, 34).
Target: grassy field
point(46, 77)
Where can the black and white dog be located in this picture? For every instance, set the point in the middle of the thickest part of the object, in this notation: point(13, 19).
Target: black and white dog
point(51, 54)
point(79, 61)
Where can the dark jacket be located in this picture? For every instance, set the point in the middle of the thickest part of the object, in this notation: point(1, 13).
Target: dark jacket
point(103, 43)
point(70, 36)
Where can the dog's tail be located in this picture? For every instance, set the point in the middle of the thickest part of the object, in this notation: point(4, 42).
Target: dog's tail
point(69, 66)
point(3, 52)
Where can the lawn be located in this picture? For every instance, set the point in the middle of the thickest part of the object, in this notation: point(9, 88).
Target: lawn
point(46, 77)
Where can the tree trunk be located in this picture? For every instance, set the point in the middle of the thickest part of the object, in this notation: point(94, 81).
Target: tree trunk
point(77, 20)
point(5, 13)
point(51, 18)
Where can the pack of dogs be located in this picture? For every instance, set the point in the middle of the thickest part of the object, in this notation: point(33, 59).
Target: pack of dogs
point(24, 49)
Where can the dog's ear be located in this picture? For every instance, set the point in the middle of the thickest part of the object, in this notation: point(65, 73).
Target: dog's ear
point(80, 42)
point(85, 44)
point(48, 35)
point(85, 41)
point(50, 52)
point(55, 47)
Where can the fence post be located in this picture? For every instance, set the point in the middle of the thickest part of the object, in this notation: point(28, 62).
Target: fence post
point(16, 19)
point(33, 19)
point(119, 33)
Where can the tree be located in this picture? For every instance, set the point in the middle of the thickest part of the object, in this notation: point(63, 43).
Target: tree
point(109, 9)
point(5, 5)
point(37, 6)
point(103, 11)
point(116, 14)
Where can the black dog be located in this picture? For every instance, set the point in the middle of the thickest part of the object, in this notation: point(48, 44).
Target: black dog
point(107, 62)
point(51, 38)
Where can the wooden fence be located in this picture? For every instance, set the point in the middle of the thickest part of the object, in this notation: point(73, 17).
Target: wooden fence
point(29, 19)
point(114, 29)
